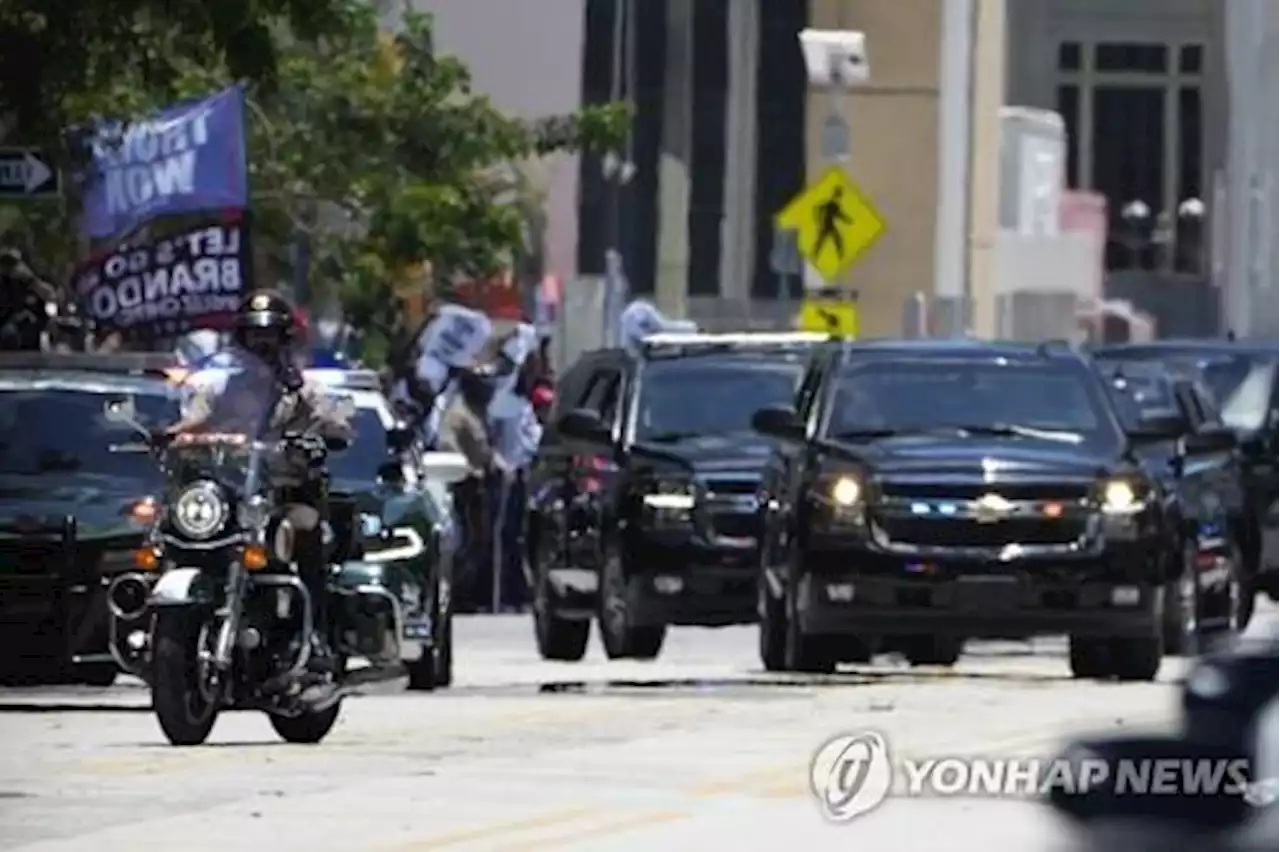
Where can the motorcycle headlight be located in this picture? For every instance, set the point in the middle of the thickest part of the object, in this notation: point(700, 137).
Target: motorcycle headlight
point(200, 511)
point(1121, 497)
point(254, 513)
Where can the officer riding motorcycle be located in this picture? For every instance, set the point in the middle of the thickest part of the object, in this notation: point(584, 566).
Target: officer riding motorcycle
point(27, 304)
point(263, 348)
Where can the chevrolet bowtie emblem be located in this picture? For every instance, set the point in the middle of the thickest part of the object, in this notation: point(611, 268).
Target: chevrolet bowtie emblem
point(990, 508)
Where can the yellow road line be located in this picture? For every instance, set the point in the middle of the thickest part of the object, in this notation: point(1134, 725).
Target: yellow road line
point(497, 830)
point(609, 829)
point(780, 781)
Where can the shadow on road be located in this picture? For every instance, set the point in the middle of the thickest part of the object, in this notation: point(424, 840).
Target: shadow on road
point(69, 707)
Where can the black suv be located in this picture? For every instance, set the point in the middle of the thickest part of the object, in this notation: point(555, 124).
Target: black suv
point(644, 496)
point(1242, 375)
point(1176, 430)
point(931, 491)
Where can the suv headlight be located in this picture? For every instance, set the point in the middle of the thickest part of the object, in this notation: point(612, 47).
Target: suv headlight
point(671, 502)
point(840, 500)
point(1121, 496)
point(200, 511)
point(846, 492)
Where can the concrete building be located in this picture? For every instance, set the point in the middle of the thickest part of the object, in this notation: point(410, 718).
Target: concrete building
point(726, 132)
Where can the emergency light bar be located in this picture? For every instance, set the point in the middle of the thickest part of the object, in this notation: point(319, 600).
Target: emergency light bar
point(91, 362)
point(745, 339)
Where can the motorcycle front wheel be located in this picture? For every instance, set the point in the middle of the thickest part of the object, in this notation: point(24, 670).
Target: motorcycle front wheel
point(307, 729)
point(185, 714)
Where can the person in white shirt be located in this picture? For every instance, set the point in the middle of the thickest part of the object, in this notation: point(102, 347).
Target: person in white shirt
point(516, 433)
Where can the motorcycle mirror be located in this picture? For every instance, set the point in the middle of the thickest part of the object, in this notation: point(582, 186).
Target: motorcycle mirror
point(344, 407)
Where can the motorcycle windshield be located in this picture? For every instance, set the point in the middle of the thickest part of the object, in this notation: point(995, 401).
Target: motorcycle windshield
point(238, 402)
point(233, 412)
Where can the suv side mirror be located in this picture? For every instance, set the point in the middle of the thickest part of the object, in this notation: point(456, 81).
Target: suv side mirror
point(1216, 439)
point(584, 425)
point(778, 421)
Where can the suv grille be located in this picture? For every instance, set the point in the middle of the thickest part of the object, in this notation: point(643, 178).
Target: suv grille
point(966, 532)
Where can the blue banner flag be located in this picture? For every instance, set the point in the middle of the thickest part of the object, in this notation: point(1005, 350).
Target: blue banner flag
point(184, 159)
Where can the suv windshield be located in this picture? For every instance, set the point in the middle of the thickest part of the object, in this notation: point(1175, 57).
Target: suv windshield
point(65, 431)
point(1142, 398)
point(1224, 374)
point(1248, 404)
point(1040, 401)
point(705, 396)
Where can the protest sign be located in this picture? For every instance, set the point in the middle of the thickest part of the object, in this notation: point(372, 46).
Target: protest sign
point(452, 339)
point(192, 279)
point(641, 319)
point(187, 158)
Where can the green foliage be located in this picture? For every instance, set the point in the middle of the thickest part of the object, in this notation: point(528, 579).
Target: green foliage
point(376, 147)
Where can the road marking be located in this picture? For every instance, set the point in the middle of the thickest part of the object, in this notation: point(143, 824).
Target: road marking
point(497, 830)
point(780, 781)
point(608, 829)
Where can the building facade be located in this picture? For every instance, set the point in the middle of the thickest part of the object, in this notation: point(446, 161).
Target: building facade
point(726, 131)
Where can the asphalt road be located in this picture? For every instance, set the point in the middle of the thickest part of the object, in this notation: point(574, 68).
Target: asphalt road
point(696, 749)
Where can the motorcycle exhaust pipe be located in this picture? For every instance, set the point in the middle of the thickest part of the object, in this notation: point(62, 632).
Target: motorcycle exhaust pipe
point(127, 596)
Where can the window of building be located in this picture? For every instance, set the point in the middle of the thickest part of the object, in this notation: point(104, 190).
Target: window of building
point(1131, 58)
point(1190, 59)
point(1133, 115)
point(1069, 56)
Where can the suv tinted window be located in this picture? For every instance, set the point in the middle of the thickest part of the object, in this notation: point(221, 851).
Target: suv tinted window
point(708, 395)
point(602, 393)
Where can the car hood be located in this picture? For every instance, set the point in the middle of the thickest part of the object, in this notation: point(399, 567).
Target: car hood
point(100, 504)
point(983, 458)
point(364, 492)
point(736, 452)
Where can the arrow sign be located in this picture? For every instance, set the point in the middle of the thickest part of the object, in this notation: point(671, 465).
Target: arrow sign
point(25, 173)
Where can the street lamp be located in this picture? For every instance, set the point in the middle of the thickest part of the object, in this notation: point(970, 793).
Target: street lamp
point(1164, 242)
point(1135, 233)
point(1190, 253)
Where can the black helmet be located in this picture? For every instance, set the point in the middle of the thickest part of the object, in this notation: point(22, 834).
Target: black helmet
point(265, 325)
point(477, 384)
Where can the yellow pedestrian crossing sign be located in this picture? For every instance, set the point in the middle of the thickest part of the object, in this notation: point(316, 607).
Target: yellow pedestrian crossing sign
point(834, 223)
point(829, 313)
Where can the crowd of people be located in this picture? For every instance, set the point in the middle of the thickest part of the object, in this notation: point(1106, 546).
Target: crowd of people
point(458, 384)
point(485, 396)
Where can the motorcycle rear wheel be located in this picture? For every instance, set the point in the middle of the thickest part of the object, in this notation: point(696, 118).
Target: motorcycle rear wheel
point(186, 717)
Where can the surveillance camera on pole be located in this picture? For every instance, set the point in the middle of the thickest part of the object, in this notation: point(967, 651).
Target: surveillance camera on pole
point(835, 58)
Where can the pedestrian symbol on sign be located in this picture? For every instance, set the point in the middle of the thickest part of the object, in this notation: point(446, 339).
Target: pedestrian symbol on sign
point(829, 214)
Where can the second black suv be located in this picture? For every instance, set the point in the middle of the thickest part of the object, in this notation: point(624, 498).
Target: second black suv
point(644, 495)
point(1164, 411)
point(931, 491)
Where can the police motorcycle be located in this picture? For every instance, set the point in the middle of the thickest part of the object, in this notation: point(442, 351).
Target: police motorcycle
point(216, 616)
